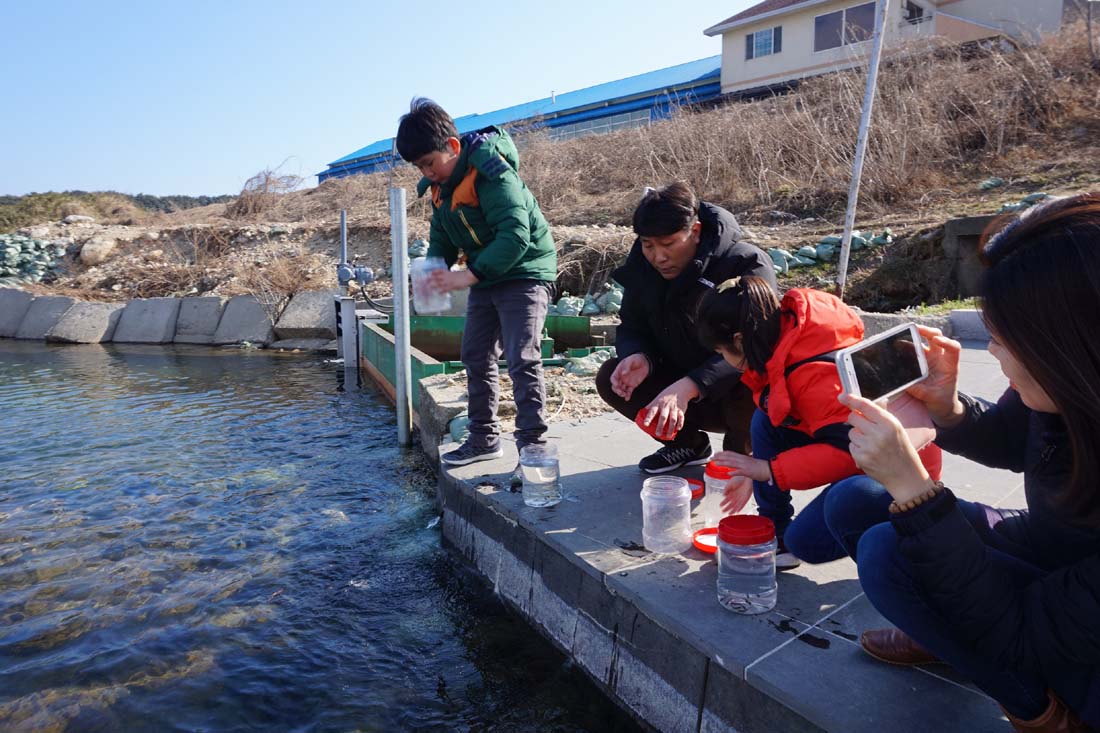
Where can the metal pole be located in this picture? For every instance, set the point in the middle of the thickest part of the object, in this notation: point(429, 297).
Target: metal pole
point(402, 347)
point(344, 239)
point(861, 145)
point(349, 333)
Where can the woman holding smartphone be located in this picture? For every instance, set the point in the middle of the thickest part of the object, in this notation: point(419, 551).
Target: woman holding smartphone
point(1011, 599)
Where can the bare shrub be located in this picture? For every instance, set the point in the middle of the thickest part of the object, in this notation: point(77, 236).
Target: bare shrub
point(274, 280)
point(260, 193)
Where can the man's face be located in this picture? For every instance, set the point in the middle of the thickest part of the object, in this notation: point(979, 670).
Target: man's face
point(670, 254)
point(438, 165)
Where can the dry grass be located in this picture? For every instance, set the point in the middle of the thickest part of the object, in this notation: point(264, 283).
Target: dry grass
point(261, 193)
point(275, 281)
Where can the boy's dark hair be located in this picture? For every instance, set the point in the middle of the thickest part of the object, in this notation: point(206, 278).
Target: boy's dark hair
point(665, 210)
point(742, 305)
point(424, 129)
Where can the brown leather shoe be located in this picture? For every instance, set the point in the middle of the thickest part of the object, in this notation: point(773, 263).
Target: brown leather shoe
point(895, 646)
point(1057, 719)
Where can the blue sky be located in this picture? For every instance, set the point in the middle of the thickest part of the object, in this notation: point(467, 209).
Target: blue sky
point(195, 97)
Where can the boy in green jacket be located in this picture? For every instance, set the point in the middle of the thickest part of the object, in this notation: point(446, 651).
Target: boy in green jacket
point(481, 208)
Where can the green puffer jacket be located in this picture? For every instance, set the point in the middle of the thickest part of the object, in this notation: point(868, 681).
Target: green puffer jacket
point(485, 210)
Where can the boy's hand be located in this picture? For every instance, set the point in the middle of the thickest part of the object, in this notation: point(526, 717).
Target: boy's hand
point(444, 281)
point(669, 407)
point(630, 372)
point(756, 469)
point(738, 491)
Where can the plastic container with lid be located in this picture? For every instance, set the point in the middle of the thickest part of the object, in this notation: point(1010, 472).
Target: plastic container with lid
point(715, 477)
point(426, 299)
point(666, 514)
point(651, 428)
point(746, 563)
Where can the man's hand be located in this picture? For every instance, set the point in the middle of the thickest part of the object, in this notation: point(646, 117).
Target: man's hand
point(444, 281)
point(756, 469)
point(880, 447)
point(630, 372)
point(669, 407)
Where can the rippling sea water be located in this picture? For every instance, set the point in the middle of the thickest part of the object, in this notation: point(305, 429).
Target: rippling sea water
point(217, 540)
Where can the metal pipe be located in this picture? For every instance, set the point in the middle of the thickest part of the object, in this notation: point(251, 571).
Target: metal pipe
point(881, 10)
point(343, 236)
point(402, 348)
point(349, 333)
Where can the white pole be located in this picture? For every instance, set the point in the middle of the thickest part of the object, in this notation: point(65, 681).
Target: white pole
point(861, 144)
point(348, 345)
point(402, 348)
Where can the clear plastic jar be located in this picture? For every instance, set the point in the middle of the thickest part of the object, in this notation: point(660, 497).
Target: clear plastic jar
point(424, 298)
point(541, 475)
point(715, 477)
point(746, 564)
point(666, 514)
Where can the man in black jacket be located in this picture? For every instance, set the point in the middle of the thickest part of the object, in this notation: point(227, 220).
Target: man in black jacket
point(684, 247)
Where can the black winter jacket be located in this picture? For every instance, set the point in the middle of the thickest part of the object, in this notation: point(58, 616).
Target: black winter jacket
point(658, 315)
point(1050, 626)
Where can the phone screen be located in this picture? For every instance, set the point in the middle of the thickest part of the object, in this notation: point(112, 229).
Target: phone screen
point(886, 365)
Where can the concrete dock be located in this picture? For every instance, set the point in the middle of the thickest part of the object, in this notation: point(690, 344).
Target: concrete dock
point(648, 629)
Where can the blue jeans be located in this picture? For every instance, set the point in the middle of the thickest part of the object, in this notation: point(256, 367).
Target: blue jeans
point(809, 535)
point(893, 589)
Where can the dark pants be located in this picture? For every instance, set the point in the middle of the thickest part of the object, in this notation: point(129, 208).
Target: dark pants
point(893, 588)
point(728, 415)
point(808, 535)
point(505, 318)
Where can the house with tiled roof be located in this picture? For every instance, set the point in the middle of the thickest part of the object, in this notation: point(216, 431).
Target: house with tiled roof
point(777, 42)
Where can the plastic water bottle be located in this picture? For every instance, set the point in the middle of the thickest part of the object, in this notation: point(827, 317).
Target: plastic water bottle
point(746, 563)
point(541, 475)
point(715, 478)
point(666, 514)
point(425, 299)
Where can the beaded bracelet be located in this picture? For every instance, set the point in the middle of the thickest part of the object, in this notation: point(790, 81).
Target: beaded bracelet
point(895, 508)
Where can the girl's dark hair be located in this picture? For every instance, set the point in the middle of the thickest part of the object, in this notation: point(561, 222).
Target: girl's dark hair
point(744, 305)
point(1040, 296)
point(665, 210)
point(424, 129)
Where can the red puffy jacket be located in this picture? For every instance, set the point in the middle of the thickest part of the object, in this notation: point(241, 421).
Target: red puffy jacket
point(804, 398)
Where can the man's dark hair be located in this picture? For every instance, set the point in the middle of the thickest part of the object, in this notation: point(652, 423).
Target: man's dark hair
point(665, 210)
point(424, 129)
point(1040, 293)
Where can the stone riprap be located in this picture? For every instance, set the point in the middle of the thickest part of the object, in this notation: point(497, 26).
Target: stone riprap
point(198, 320)
point(310, 315)
point(648, 628)
point(148, 321)
point(13, 307)
point(244, 320)
point(42, 315)
point(86, 323)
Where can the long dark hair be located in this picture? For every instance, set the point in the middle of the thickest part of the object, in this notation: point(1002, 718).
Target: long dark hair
point(1040, 296)
point(742, 305)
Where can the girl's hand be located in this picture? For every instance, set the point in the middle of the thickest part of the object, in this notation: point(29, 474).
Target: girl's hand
point(756, 469)
point(881, 448)
point(939, 391)
point(737, 493)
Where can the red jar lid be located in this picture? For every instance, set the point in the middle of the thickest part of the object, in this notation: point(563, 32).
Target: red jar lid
point(698, 488)
point(724, 473)
point(705, 540)
point(651, 428)
point(746, 529)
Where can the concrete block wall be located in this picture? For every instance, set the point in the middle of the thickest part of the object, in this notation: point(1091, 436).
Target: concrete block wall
point(203, 320)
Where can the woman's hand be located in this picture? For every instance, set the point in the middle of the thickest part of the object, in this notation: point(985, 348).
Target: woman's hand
point(669, 407)
point(630, 372)
point(756, 469)
point(881, 448)
point(939, 391)
point(737, 493)
point(444, 281)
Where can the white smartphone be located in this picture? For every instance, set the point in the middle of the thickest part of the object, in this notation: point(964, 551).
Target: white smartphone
point(882, 366)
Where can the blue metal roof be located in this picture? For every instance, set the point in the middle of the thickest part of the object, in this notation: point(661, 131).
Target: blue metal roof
point(689, 74)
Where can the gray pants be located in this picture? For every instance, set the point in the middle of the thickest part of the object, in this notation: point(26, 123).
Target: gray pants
point(505, 318)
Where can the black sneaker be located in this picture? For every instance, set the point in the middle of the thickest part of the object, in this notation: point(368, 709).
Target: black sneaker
point(669, 458)
point(468, 453)
point(784, 558)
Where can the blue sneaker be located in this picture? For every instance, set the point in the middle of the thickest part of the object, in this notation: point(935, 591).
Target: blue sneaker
point(469, 453)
